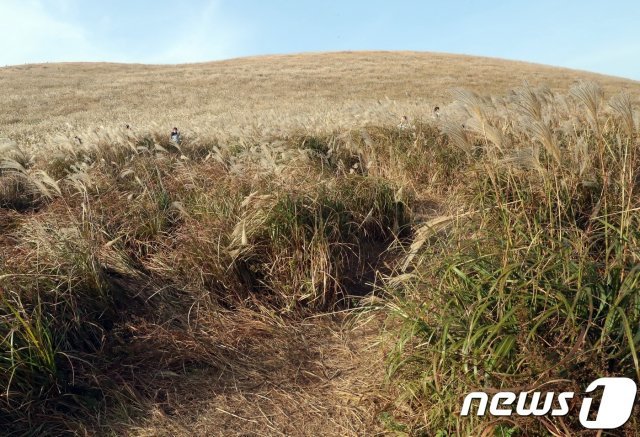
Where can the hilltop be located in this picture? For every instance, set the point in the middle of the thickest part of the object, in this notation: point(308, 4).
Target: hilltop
point(322, 91)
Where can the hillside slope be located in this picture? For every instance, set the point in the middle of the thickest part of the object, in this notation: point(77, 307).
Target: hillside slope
point(269, 93)
point(355, 277)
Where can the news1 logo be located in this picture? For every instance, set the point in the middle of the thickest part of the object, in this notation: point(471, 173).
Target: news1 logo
point(616, 403)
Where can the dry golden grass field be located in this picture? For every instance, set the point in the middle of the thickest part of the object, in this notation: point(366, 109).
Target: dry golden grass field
point(305, 261)
point(325, 91)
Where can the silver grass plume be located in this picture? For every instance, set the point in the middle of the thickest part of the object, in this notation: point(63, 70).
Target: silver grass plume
point(623, 111)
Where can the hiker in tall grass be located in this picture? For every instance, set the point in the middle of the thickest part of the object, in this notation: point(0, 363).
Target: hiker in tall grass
point(175, 135)
point(404, 123)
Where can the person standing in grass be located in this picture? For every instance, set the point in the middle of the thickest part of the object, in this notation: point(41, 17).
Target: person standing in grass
point(175, 135)
point(404, 123)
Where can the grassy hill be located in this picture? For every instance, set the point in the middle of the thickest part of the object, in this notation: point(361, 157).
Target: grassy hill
point(321, 91)
point(304, 261)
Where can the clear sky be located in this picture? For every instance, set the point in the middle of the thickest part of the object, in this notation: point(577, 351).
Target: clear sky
point(601, 36)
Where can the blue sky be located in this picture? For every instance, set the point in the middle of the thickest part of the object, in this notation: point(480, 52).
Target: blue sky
point(602, 36)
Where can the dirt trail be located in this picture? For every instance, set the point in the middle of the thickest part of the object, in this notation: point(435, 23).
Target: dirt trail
point(325, 381)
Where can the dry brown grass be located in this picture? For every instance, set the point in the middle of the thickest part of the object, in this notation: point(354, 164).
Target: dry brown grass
point(193, 307)
point(202, 251)
point(270, 94)
point(322, 376)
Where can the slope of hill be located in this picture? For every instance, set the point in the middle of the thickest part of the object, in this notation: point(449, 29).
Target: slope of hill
point(343, 275)
point(323, 91)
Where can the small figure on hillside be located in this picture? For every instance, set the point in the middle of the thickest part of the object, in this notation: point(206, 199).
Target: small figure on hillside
point(404, 122)
point(78, 139)
point(175, 135)
point(127, 126)
point(436, 112)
